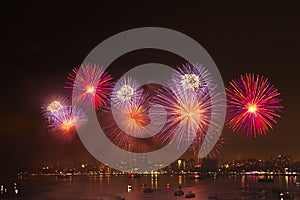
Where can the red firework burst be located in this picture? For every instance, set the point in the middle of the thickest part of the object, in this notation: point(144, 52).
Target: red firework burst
point(252, 105)
point(91, 86)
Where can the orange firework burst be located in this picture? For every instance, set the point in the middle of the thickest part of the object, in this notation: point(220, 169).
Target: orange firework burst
point(133, 118)
point(129, 127)
point(66, 122)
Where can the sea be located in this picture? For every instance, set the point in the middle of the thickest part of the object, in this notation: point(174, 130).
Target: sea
point(117, 187)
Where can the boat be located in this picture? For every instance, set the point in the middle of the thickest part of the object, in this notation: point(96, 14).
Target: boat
point(190, 195)
point(179, 193)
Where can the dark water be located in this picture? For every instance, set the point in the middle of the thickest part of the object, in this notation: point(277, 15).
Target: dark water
point(83, 187)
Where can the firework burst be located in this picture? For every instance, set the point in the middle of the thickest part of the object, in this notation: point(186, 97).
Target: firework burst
point(188, 115)
point(192, 77)
point(134, 117)
point(67, 121)
point(126, 92)
point(53, 107)
point(131, 108)
point(91, 86)
point(252, 105)
point(188, 102)
point(127, 126)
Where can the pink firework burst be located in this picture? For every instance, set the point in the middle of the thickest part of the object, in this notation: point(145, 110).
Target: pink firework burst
point(252, 105)
point(91, 86)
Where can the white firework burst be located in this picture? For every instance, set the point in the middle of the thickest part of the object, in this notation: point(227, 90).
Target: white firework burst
point(190, 81)
point(125, 93)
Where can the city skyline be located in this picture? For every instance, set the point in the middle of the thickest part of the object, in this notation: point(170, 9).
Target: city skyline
point(41, 51)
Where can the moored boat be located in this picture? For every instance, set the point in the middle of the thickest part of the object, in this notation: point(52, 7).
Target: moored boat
point(190, 195)
point(179, 193)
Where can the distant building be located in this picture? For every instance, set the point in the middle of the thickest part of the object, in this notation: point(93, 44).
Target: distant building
point(190, 165)
point(281, 162)
point(181, 164)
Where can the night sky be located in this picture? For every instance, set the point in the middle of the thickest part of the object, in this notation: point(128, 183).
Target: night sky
point(43, 42)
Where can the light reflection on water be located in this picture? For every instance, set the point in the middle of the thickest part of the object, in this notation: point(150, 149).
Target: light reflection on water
point(233, 187)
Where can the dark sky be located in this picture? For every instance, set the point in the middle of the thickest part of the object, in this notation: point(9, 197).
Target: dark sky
point(43, 42)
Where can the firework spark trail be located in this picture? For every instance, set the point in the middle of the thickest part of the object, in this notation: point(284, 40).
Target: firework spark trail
point(199, 142)
point(253, 105)
point(91, 86)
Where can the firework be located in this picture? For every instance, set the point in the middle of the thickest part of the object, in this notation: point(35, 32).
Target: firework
point(126, 92)
point(53, 106)
point(134, 117)
point(91, 86)
point(192, 77)
point(130, 106)
point(188, 100)
point(188, 115)
point(253, 105)
point(67, 121)
point(128, 122)
point(126, 126)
